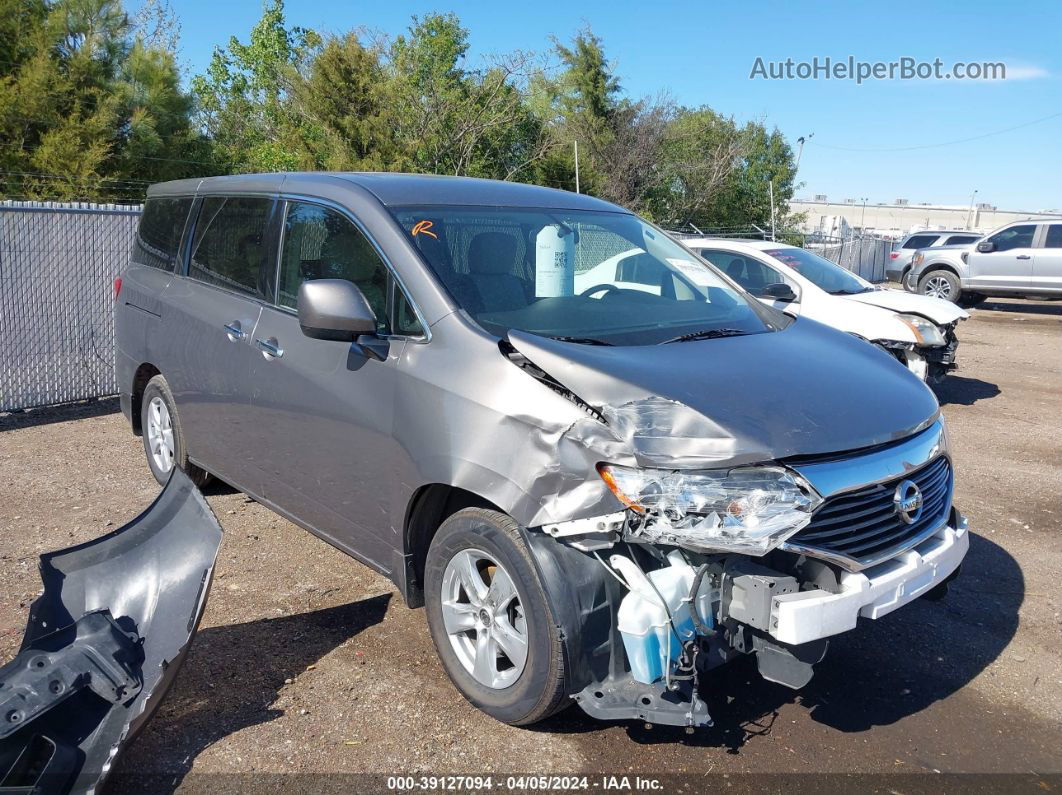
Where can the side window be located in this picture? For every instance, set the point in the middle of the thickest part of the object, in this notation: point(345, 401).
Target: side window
point(1014, 237)
point(159, 232)
point(921, 241)
point(751, 274)
point(1054, 236)
point(960, 240)
point(320, 243)
point(640, 269)
point(231, 248)
point(404, 318)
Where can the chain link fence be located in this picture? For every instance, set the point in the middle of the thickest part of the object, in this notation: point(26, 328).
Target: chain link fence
point(865, 256)
point(58, 262)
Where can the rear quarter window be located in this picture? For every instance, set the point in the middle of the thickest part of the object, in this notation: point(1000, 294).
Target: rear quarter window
point(920, 241)
point(960, 240)
point(159, 233)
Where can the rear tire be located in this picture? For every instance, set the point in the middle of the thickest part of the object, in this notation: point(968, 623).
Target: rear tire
point(941, 284)
point(482, 596)
point(164, 445)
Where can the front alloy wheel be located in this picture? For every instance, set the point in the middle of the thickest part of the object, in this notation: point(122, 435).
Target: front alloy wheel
point(938, 287)
point(484, 618)
point(490, 619)
point(941, 283)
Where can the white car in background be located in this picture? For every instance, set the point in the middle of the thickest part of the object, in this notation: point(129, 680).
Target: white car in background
point(917, 330)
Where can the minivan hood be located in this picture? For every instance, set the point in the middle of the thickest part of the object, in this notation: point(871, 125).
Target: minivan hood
point(806, 390)
point(938, 310)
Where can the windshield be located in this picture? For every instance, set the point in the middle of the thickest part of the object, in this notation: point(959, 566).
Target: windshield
point(582, 276)
point(821, 272)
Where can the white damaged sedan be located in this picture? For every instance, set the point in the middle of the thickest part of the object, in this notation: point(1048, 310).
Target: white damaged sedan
point(916, 329)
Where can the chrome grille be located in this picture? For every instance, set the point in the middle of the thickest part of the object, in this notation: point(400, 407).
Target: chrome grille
point(860, 528)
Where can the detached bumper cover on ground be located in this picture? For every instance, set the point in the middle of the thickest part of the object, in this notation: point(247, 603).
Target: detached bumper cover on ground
point(104, 642)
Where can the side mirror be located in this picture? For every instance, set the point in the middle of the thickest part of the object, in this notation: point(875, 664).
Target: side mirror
point(779, 292)
point(334, 309)
point(986, 246)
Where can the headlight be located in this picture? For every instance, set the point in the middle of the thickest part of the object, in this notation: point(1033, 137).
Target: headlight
point(918, 257)
point(925, 331)
point(747, 509)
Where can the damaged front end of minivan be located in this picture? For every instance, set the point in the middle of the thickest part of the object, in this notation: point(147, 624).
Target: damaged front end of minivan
point(103, 643)
point(720, 544)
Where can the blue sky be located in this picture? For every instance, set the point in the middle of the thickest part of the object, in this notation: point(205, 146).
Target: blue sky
point(702, 54)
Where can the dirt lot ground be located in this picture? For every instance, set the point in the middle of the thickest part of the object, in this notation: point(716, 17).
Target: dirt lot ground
point(307, 661)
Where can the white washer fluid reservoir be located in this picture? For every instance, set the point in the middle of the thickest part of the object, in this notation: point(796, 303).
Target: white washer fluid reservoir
point(643, 621)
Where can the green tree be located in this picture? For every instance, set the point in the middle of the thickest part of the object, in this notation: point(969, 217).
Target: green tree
point(87, 110)
point(765, 160)
point(344, 102)
point(699, 153)
point(453, 120)
point(244, 98)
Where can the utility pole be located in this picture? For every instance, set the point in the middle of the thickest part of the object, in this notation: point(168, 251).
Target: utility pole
point(576, 144)
point(863, 218)
point(969, 215)
point(770, 188)
point(800, 150)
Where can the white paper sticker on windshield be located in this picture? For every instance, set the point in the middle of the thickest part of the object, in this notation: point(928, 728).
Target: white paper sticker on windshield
point(698, 274)
point(554, 262)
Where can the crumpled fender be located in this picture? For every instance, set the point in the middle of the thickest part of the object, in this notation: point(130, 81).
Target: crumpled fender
point(104, 642)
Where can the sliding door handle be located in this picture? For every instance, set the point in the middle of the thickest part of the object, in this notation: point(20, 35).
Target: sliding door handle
point(270, 347)
point(234, 331)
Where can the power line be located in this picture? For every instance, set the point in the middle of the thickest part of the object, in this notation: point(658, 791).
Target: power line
point(71, 178)
point(936, 145)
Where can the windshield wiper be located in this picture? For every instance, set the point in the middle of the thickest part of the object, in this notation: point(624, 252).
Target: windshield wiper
point(582, 340)
point(851, 292)
point(706, 334)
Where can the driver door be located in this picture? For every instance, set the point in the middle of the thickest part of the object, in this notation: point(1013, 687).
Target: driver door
point(1009, 266)
point(324, 408)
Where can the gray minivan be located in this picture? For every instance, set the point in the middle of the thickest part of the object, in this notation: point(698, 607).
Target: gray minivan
point(597, 496)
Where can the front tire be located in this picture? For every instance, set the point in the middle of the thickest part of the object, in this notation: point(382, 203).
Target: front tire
point(490, 621)
point(163, 435)
point(941, 284)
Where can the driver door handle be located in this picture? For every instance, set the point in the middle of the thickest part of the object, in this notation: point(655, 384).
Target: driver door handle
point(1024, 256)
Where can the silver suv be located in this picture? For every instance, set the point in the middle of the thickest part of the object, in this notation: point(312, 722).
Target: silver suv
point(1020, 260)
point(597, 494)
point(904, 250)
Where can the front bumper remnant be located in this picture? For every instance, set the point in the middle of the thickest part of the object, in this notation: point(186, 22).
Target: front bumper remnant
point(806, 616)
point(104, 642)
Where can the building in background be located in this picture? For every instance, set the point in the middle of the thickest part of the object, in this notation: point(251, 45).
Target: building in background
point(898, 218)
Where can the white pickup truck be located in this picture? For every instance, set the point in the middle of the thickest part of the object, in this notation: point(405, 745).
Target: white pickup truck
point(1020, 260)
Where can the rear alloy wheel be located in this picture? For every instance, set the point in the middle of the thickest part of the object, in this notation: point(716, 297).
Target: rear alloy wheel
point(164, 444)
point(941, 284)
point(489, 619)
point(159, 435)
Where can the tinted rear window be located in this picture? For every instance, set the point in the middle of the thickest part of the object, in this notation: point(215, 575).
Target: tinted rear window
point(920, 241)
point(231, 248)
point(159, 233)
point(959, 240)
